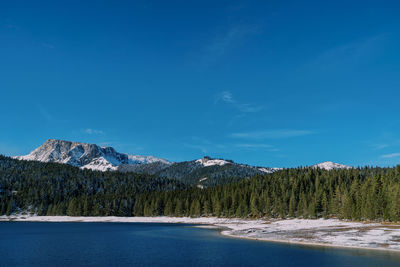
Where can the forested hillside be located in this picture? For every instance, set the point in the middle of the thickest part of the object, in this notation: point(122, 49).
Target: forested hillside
point(356, 194)
point(195, 173)
point(55, 189)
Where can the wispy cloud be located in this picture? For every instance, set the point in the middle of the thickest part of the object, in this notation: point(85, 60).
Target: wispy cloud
point(391, 155)
point(350, 54)
point(94, 131)
point(271, 134)
point(226, 40)
point(254, 145)
point(248, 108)
point(257, 146)
point(209, 147)
point(227, 97)
point(386, 140)
point(221, 43)
point(198, 143)
point(44, 113)
point(48, 114)
point(379, 146)
point(203, 145)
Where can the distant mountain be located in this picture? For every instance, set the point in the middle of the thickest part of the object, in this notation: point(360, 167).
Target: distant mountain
point(208, 171)
point(86, 156)
point(329, 165)
point(202, 172)
point(138, 159)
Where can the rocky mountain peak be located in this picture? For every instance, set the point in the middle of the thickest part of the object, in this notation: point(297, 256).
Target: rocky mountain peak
point(83, 155)
point(329, 165)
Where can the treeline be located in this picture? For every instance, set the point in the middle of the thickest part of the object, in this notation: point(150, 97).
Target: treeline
point(55, 189)
point(60, 189)
point(356, 194)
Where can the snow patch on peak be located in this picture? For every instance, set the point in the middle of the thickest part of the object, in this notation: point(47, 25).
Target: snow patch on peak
point(206, 161)
point(138, 159)
point(329, 165)
point(100, 164)
point(269, 170)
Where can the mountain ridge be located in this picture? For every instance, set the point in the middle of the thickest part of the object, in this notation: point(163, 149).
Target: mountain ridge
point(202, 172)
point(85, 156)
point(206, 171)
point(329, 165)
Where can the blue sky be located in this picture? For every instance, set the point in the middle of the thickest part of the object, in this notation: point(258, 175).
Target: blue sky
point(269, 83)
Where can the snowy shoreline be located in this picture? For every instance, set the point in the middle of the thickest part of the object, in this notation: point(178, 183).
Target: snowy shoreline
point(321, 232)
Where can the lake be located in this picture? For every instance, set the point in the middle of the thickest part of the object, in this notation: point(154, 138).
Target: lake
point(140, 244)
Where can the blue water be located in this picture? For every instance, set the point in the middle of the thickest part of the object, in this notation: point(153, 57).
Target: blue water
point(128, 244)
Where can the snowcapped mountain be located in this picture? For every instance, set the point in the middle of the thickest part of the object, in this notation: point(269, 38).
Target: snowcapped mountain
point(209, 171)
point(137, 159)
point(207, 161)
point(329, 165)
point(86, 156)
point(94, 157)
